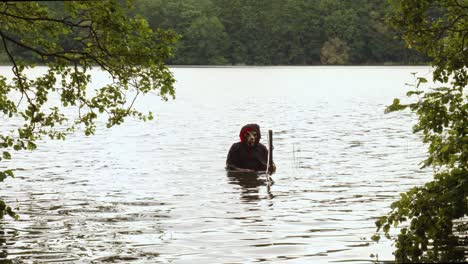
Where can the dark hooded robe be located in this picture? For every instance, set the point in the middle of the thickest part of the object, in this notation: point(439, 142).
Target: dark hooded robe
point(243, 156)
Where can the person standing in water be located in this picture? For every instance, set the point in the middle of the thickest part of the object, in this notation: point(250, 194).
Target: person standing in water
point(249, 155)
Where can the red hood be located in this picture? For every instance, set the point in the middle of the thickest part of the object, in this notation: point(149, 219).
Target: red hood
point(246, 129)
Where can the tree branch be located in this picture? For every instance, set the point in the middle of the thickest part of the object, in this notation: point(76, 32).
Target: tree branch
point(20, 80)
point(15, 67)
point(41, 53)
point(460, 5)
point(96, 37)
point(48, 19)
point(57, 54)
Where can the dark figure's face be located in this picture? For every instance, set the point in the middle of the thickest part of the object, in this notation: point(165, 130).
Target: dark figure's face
point(251, 137)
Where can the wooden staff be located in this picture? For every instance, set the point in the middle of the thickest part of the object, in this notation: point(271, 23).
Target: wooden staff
point(270, 146)
point(270, 151)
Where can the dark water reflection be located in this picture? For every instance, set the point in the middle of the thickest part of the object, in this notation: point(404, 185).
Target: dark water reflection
point(250, 184)
point(157, 192)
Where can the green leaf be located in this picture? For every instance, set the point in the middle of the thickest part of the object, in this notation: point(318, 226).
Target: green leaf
point(31, 145)
point(410, 93)
point(6, 155)
point(421, 80)
point(375, 237)
point(395, 106)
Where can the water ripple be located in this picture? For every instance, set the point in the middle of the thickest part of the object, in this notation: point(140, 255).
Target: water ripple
point(157, 192)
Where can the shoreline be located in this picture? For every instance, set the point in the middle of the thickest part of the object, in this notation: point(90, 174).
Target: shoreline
point(297, 66)
point(271, 66)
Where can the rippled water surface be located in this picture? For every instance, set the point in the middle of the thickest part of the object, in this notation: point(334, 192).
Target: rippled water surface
point(157, 192)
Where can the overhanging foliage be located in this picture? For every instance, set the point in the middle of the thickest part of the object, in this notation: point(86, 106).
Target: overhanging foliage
point(83, 35)
point(433, 216)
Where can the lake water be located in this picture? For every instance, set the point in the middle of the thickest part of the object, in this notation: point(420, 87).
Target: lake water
point(157, 192)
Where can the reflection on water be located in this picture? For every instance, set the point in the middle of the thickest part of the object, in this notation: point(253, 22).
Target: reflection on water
point(157, 192)
point(250, 183)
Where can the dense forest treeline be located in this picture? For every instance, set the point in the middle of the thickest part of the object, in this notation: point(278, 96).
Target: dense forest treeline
point(276, 32)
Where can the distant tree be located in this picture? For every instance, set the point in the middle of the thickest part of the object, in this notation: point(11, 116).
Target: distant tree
point(295, 32)
point(433, 217)
point(342, 23)
point(183, 17)
point(334, 51)
point(383, 43)
point(205, 42)
point(176, 15)
point(231, 18)
point(272, 32)
point(384, 46)
point(248, 25)
point(82, 35)
point(256, 15)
